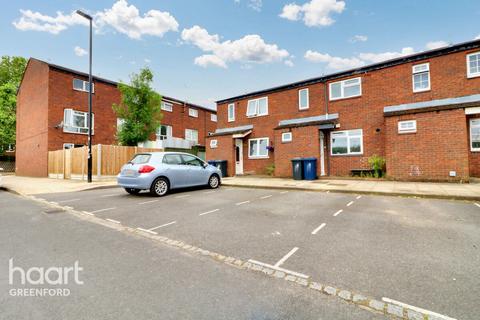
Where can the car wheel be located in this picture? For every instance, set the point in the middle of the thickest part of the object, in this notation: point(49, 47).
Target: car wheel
point(132, 191)
point(160, 187)
point(214, 181)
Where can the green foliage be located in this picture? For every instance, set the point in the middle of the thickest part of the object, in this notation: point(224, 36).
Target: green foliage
point(270, 170)
point(139, 109)
point(377, 163)
point(11, 72)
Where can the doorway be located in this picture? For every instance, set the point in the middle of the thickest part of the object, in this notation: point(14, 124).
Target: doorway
point(322, 154)
point(238, 156)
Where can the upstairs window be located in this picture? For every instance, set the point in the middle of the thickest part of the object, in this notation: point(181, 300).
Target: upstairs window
point(475, 134)
point(164, 132)
point(473, 65)
point(257, 107)
point(193, 112)
point(231, 112)
point(81, 85)
point(213, 144)
point(347, 142)
point(303, 99)
point(167, 106)
point(213, 117)
point(409, 126)
point(346, 89)
point(76, 121)
point(191, 135)
point(421, 77)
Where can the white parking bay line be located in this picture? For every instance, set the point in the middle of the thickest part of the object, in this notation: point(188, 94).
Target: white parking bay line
point(211, 211)
point(67, 201)
point(266, 197)
point(208, 192)
point(436, 315)
point(240, 203)
point(163, 225)
point(288, 255)
point(350, 203)
point(283, 192)
point(477, 204)
point(300, 275)
point(88, 213)
point(114, 221)
point(151, 201)
point(182, 196)
point(358, 197)
point(102, 210)
point(320, 227)
point(337, 213)
point(146, 230)
point(110, 195)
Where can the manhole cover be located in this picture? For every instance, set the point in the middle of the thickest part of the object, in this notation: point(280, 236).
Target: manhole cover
point(53, 210)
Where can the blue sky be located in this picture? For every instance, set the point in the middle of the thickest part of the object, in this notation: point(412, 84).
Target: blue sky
point(206, 50)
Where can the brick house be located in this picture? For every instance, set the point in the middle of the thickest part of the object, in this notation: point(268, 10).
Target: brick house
point(52, 106)
point(421, 112)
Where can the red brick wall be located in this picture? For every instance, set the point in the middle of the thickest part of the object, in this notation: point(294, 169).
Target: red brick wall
point(474, 156)
point(439, 146)
point(32, 122)
point(225, 151)
point(380, 88)
point(62, 96)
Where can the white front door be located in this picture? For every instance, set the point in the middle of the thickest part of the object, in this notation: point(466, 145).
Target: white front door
point(238, 156)
point(322, 154)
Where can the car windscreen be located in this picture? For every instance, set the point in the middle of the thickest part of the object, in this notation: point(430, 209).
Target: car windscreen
point(140, 159)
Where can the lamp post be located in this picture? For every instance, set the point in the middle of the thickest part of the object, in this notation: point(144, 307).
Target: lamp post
point(89, 161)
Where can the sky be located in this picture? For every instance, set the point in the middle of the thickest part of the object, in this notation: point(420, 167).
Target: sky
point(206, 50)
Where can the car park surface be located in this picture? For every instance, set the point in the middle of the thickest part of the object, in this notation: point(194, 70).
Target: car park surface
point(417, 251)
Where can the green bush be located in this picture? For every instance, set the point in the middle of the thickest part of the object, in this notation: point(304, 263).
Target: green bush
point(377, 163)
point(270, 170)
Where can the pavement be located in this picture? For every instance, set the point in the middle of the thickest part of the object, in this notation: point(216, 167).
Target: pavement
point(126, 276)
point(422, 253)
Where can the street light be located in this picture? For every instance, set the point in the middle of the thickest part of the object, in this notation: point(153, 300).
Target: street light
point(89, 174)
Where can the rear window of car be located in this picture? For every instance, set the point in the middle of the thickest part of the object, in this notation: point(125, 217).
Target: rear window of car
point(140, 158)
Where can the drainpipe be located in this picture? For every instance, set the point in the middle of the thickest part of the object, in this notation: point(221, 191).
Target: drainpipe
point(325, 141)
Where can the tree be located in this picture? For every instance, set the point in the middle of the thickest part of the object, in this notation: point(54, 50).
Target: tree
point(11, 72)
point(139, 109)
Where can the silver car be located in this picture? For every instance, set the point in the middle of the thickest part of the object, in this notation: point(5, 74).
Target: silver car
point(160, 172)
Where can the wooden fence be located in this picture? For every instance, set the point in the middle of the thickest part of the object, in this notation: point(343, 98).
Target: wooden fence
point(107, 161)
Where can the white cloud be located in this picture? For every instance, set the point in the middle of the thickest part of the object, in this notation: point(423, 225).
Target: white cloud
point(147, 60)
point(359, 38)
point(122, 17)
point(35, 21)
point(80, 51)
point(436, 44)
point(383, 56)
point(477, 37)
point(334, 63)
point(289, 63)
point(249, 49)
point(313, 13)
point(255, 5)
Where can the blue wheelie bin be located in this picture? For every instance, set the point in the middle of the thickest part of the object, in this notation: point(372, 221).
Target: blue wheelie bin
point(309, 168)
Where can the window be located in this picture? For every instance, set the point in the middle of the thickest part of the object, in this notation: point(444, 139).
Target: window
point(231, 112)
point(213, 144)
point(82, 85)
point(286, 137)
point(473, 65)
point(167, 106)
point(193, 112)
point(140, 158)
point(475, 134)
point(346, 89)
point(303, 99)
point(257, 107)
point(164, 132)
point(191, 135)
point(347, 142)
point(409, 126)
point(192, 161)
point(76, 121)
point(172, 159)
point(213, 117)
point(257, 148)
point(421, 77)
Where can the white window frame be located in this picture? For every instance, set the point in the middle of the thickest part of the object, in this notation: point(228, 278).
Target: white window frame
point(213, 144)
point(287, 137)
point(471, 134)
point(232, 107)
point(258, 156)
point(68, 126)
point(411, 129)
point(189, 135)
point(472, 74)
point(343, 86)
point(416, 72)
point(193, 112)
point(168, 135)
point(167, 106)
point(348, 143)
point(85, 85)
point(213, 117)
point(257, 107)
point(300, 99)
